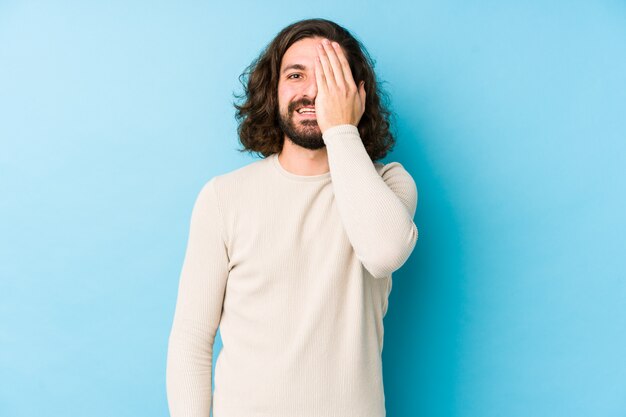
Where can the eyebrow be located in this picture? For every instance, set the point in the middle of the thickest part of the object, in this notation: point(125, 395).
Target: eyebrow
point(294, 66)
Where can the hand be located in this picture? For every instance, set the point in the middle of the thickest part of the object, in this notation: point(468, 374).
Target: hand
point(338, 100)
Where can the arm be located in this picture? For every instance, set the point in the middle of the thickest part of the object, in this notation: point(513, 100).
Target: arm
point(377, 212)
point(198, 311)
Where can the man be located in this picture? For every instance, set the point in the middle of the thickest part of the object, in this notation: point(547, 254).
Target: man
point(292, 255)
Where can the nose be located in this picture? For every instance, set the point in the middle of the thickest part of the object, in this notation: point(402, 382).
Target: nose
point(310, 89)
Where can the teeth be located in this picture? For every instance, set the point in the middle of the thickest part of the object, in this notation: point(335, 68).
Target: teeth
point(306, 111)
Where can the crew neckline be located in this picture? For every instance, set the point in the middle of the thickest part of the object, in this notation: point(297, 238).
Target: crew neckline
point(291, 175)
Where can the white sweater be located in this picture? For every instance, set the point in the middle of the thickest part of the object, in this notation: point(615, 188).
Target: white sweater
point(296, 272)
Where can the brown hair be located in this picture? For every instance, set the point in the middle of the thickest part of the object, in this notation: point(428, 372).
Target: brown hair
point(258, 115)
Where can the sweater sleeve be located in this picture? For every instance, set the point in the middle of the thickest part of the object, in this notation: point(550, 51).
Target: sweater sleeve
point(198, 310)
point(376, 209)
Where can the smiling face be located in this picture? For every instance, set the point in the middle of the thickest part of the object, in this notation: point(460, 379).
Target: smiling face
point(297, 88)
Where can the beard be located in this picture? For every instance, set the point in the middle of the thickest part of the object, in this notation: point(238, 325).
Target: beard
point(305, 133)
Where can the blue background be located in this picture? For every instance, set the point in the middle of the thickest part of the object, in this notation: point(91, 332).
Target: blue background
point(511, 119)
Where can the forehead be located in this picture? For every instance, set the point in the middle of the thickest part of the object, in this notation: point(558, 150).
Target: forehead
point(302, 52)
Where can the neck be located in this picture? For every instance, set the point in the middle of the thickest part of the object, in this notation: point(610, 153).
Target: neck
point(302, 161)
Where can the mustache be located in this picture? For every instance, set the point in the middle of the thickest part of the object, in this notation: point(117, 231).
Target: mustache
point(304, 102)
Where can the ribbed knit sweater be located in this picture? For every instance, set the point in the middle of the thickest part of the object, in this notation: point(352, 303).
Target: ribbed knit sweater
point(296, 273)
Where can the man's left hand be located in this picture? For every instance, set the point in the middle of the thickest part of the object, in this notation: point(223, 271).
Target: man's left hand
point(338, 100)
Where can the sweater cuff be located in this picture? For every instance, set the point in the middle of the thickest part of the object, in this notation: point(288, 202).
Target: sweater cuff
point(340, 130)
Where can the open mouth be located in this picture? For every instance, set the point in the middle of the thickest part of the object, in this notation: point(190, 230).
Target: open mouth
point(306, 111)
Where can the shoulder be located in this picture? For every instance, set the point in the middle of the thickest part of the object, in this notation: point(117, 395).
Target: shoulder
point(234, 190)
point(400, 181)
point(393, 172)
point(237, 179)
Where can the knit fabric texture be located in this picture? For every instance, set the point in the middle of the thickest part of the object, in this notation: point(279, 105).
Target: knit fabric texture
point(296, 273)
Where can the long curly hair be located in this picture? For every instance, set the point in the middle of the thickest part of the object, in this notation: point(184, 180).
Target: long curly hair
point(258, 114)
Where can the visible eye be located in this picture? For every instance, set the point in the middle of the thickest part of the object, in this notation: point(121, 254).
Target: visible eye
point(291, 75)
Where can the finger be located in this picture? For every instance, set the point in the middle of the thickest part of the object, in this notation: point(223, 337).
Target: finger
point(328, 71)
point(320, 78)
point(335, 64)
point(345, 65)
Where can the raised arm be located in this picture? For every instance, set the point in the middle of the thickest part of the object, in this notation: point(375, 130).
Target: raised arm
point(376, 211)
point(198, 310)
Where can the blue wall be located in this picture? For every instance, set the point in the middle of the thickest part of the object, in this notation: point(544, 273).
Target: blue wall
point(511, 118)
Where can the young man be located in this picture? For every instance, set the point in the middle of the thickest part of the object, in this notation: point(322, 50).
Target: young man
point(292, 255)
